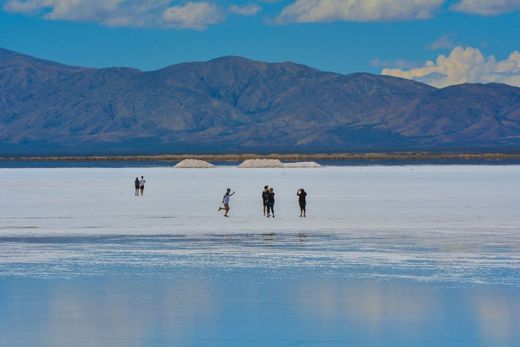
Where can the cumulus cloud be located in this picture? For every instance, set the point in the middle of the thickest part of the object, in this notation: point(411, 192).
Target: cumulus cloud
point(308, 11)
point(131, 13)
point(463, 65)
point(245, 10)
point(487, 7)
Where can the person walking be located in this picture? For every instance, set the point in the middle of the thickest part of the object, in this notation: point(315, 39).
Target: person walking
point(265, 200)
point(270, 201)
point(137, 185)
point(225, 202)
point(302, 201)
point(141, 185)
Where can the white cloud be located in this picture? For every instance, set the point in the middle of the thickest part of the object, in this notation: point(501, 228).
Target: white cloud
point(131, 13)
point(245, 10)
point(308, 11)
point(487, 7)
point(193, 15)
point(64, 9)
point(464, 65)
point(443, 42)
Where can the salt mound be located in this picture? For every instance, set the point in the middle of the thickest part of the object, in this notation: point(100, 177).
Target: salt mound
point(261, 163)
point(194, 163)
point(302, 164)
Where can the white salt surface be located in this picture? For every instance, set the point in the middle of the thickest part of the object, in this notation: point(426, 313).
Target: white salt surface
point(194, 164)
point(432, 199)
point(302, 164)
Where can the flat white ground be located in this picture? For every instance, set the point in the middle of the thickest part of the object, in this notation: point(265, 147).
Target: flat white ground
point(183, 201)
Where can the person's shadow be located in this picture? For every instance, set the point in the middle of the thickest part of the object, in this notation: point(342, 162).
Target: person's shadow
point(269, 237)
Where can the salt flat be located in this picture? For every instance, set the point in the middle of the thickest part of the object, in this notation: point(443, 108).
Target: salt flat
point(426, 223)
point(341, 199)
point(388, 256)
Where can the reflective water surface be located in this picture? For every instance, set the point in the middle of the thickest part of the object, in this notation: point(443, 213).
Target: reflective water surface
point(254, 308)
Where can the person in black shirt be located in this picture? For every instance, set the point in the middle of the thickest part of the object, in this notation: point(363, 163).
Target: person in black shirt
point(265, 200)
point(301, 200)
point(137, 185)
point(270, 200)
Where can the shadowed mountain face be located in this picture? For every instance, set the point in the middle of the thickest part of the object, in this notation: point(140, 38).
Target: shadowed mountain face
point(233, 104)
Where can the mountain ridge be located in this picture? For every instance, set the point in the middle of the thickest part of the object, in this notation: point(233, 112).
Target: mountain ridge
point(236, 104)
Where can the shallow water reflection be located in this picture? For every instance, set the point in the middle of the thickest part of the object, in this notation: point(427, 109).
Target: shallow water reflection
point(254, 308)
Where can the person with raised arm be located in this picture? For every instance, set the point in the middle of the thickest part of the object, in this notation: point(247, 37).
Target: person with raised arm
point(225, 202)
point(302, 195)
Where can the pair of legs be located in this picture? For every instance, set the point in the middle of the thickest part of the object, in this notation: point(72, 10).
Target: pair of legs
point(225, 208)
point(302, 209)
point(266, 208)
point(270, 210)
point(136, 191)
point(142, 190)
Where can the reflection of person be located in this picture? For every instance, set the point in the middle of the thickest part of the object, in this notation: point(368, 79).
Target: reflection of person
point(265, 200)
point(141, 185)
point(301, 200)
point(225, 201)
point(270, 202)
point(137, 185)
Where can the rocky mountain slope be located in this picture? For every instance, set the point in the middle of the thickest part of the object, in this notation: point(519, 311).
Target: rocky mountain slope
point(233, 104)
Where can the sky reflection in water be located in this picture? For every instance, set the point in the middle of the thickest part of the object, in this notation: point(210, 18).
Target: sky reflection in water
point(254, 308)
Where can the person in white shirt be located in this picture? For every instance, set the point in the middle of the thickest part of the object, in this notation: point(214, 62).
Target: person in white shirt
point(225, 201)
point(141, 185)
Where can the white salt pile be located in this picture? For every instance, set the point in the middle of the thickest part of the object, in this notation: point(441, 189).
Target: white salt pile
point(194, 163)
point(261, 163)
point(302, 164)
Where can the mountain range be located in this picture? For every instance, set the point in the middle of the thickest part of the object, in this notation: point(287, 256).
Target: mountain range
point(233, 104)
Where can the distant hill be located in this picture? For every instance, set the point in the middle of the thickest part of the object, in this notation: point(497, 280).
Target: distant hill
point(233, 104)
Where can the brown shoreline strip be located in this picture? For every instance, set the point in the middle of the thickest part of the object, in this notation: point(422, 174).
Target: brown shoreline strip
point(287, 157)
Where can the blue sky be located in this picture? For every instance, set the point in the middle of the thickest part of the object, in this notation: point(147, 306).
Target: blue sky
point(394, 37)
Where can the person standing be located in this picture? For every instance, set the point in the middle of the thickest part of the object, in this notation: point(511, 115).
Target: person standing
point(225, 202)
point(302, 201)
point(141, 185)
point(137, 185)
point(270, 201)
point(265, 200)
